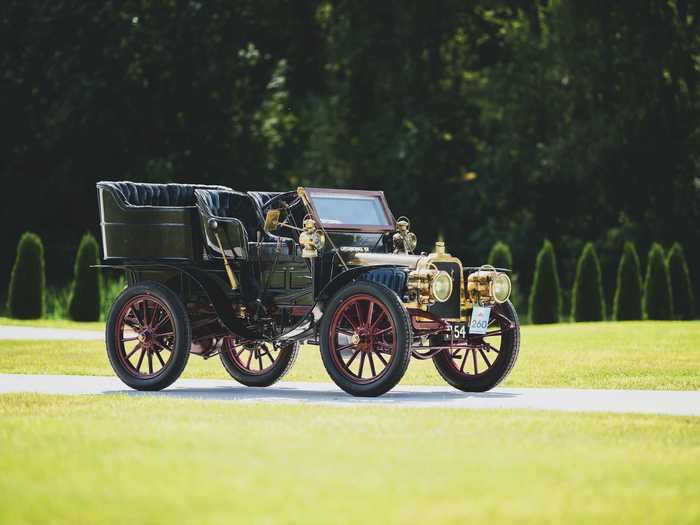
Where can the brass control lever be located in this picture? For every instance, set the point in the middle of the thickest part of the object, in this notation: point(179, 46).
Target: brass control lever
point(214, 227)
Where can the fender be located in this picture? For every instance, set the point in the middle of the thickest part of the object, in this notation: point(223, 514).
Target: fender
point(209, 285)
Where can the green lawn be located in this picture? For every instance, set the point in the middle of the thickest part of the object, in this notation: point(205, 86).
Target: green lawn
point(146, 460)
point(53, 323)
point(645, 355)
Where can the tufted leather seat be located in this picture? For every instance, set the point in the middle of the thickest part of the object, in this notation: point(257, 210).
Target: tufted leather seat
point(145, 194)
point(229, 203)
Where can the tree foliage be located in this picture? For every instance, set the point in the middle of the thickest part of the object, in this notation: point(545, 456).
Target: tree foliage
point(681, 288)
point(27, 281)
point(545, 296)
point(627, 303)
point(587, 302)
point(84, 302)
point(658, 302)
point(479, 120)
point(500, 256)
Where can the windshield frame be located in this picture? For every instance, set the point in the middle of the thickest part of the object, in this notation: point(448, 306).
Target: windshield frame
point(379, 195)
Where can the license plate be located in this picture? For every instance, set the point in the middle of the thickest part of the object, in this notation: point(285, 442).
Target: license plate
point(459, 330)
point(480, 320)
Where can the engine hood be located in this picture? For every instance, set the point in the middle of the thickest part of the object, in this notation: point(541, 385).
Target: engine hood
point(374, 259)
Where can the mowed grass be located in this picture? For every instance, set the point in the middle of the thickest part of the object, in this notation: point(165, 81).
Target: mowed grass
point(119, 459)
point(53, 323)
point(630, 355)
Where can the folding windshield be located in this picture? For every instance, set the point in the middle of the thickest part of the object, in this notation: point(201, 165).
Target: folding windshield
point(348, 209)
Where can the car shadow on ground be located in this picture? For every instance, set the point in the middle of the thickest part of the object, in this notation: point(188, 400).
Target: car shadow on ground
point(315, 396)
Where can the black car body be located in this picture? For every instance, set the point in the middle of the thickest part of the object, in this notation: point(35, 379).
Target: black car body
point(254, 274)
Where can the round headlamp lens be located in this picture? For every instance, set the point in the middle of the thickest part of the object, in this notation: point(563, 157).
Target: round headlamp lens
point(501, 288)
point(441, 286)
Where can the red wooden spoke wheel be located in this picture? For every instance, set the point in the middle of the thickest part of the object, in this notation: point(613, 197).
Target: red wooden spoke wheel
point(486, 359)
point(145, 336)
point(257, 363)
point(254, 357)
point(148, 336)
point(363, 338)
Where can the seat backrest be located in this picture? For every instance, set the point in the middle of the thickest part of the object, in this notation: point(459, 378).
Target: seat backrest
point(146, 194)
point(229, 203)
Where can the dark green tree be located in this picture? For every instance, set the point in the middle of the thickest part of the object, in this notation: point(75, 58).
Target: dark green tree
point(26, 291)
point(500, 256)
point(681, 287)
point(85, 297)
point(545, 295)
point(627, 303)
point(587, 303)
point(658, 302)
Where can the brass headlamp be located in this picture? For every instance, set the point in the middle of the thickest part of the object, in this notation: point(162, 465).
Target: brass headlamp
point(488, 286)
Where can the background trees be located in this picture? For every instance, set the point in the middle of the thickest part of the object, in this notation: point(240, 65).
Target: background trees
point(514, 120)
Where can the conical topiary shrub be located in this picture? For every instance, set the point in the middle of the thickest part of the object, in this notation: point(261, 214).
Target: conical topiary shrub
point(25, 299)
point(658, 303)
point(85, 298)
point(587, 302)
point(627, 303)
point(500, 256)
point(545, 296)
point(681, 287)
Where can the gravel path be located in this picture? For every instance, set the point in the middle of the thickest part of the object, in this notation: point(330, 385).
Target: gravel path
point(31, 332)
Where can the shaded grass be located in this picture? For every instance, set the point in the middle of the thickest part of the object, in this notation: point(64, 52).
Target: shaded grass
point(53, 323)
point(642, 355)
point(146, 460)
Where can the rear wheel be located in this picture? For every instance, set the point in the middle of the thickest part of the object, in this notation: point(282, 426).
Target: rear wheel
point(257, 363)
point(487, 359)
point(365, 339)
point(148, 336)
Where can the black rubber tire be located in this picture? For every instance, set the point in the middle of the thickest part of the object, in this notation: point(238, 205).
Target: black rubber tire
point(508, 355)
point(282, 365)
point(404, 337)
point(183, 338)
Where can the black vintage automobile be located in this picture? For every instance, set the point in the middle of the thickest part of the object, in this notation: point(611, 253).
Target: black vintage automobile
point(251, 276)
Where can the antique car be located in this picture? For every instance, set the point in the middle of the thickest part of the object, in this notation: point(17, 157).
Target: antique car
point(250, 276)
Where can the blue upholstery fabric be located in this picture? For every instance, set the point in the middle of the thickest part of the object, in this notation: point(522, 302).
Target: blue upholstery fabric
point(144, 194)
point(392, 278)
point(229, 203)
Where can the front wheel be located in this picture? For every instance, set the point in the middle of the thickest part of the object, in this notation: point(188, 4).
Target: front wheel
point(148, 336)
point(257, 363)
point(365, 339)
point(487, 359)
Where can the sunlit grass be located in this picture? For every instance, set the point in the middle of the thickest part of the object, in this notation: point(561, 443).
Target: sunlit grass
point(53, 323)
point(645, 355)
point(83, 459)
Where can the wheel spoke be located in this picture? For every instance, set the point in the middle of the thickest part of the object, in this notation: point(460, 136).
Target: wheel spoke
point(162, 346)
point(166, 334)
point(383, 330)
point(488, 363)
point(476, 368)
point(150, 362)
point(350, 322)
point(371, 364)
point(370, 312)
point(138, 365)
point(352, 358)
point(136, 349)
point(359, 314)
point(362, 363)
point(464, 360)
point(493, 348)
point(127, 339)
point(260, 359)
point(250, 358)
point(381, 358)
point(492, 334)
point(162, 363)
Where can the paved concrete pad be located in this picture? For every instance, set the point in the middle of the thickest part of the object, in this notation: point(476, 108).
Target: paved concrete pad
point(37, 333)
point(560, 399)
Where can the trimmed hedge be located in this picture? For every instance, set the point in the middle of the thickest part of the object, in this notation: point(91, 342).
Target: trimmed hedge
point(587, 302)
point(85, 297)
point(681, 287)
point(500, 256)
point(25, 298)
point(627, 303)
point(545, 295)
point(658, 302)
